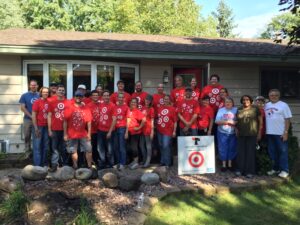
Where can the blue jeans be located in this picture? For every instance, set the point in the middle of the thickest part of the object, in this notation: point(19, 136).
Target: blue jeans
point(278, 151)
point(40, 147)
point(105, 149)
point(59, 152)
point(120, 146)
point(165, 143)
point(227, 146)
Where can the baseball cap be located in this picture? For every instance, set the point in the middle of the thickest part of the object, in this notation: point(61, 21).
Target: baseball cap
point(260, 98)
point(188, 89)
point(81, 86)
point(78, 94)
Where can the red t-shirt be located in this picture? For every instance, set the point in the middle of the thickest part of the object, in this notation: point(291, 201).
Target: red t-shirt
point(205, 116)
point(77, 119)
point(196, 94)
point(57, 108)
point(52, 98)
point(107, 111)
point(158, 100)
point(94, 107)
point(221, 104)
point(214, 93)
point(187, 108)
point(136, 117)
point(140, 96)
point(121, 115)
point(41, 108)
point(149, 113)
point(177, 95)
point(166, 118)
point(114, 97)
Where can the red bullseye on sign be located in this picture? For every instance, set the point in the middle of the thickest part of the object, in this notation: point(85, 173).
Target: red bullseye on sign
point(196, 159)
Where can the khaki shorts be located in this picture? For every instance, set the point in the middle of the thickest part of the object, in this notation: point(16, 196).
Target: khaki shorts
point(85, 145)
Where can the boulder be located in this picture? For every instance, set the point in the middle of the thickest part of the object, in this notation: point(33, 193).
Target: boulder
point(150, 178)
point(10, 183)
point(102, 172)
point(162, 172)
point(83, 174)
point(110, 180)
point(30, 172)
point(129, 183)
point(62, 174)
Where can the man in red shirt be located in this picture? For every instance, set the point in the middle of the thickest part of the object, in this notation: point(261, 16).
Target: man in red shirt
point(94, 107)
point(114, 96)
point(56, 130)
point(106, 127)
point(213, 91)
point(77, 129)
point(158, 98)
point(139, 94)
point(53, 90)
point(120, 142)
point(177, 94)
point(196, 91)
point(188, 110)
point(206, 117)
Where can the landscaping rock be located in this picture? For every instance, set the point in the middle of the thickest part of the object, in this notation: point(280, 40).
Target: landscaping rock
point(110, 180)
point(83, 174)
point(62, 174)
point(10, 183)
point(102, 172)
point(34, 172)
point(150, 178)
point(162, 172)
point(129, 183)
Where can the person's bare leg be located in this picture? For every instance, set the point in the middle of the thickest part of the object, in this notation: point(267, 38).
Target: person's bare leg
point(75, 159)
point(89, 158)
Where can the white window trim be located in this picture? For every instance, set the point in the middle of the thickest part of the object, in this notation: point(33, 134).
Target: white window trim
point(69, 64)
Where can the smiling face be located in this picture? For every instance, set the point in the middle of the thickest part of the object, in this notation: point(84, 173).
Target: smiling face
point(178, 81)
point(193, 83)
point(133, 103)
point(246, 101)
point(213, 81)
point(274, 96)
point(121, 86)
point(167, 100)
point(45, 93)
point(160, 89)
point(95, 97)
point(105, 97)
point(33, 86)
point(138, 87)
point(120, 99)
point(60, 92)
point(228, 103)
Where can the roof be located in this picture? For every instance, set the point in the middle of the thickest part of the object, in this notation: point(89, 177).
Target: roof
point(139, 43)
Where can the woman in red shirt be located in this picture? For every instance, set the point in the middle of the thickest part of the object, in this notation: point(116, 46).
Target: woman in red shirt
point(166, 130)
point(135, 122)
point(39, 120)
point(148, 131)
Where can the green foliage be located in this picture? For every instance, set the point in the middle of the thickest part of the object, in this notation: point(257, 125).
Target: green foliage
point(264, 163)
point(10, 14)
point(14, 207)
point(225, 18)
point(283, 23)
point(85, 216)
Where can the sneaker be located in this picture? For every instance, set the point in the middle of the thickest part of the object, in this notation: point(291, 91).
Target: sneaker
point(272, 172)
point(134, 166)
point(121, 167)
point(52, 169)
point(238, 173)
point(116, 166)
point(283, 174)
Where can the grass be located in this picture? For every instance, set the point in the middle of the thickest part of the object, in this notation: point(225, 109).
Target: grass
point(270, 207)
point(14, 207)
point(85, 216)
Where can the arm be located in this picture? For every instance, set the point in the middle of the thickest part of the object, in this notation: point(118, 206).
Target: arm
point(65, 125)
point(141, 124)
point(34, 122)
point(194, 117)
point(126, 132)
point(287, 124)
point(174, 130)
point(49, 120)
point(152, 129)
point(89, 128)
point(112, 127)
point(25, 111)
point(260, 124)
point(182, 119)
point(211, 123)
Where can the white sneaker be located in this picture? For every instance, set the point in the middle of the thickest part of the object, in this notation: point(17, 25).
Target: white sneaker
point(121, 167)
point(134, 166)
point(272, 172)
point(283, 174)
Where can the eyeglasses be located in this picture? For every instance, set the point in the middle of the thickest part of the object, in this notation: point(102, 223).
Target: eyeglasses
point(78, 96)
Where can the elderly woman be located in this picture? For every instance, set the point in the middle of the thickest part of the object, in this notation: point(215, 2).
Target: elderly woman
point(226, 120)
point(249, 127)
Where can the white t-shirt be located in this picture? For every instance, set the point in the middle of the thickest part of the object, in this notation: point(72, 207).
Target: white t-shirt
point(276, 113)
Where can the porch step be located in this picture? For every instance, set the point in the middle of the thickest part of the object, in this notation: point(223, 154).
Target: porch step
point(13, 160)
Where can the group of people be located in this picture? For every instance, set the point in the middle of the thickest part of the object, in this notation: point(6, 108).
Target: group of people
point(112, 129)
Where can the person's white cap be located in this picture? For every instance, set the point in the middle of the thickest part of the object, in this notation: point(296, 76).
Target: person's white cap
point(82, 86)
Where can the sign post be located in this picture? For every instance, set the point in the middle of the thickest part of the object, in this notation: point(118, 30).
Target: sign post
point(196, 155)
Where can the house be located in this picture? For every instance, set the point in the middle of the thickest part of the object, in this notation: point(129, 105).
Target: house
point(245, 66)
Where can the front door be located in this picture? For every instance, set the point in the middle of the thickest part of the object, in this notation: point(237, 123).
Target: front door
point(187, 74)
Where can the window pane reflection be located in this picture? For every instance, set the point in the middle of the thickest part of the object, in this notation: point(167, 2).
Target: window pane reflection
point(105, 77)
point(127, 74)
point(58, 74)
point(35, 72)
point(81, 75)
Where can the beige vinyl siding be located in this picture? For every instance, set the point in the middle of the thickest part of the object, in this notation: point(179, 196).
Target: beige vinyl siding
point(11, 89)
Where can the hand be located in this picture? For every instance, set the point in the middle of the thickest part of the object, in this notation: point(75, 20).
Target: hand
point(174, 134)
point(88, 137)
point(50, 133)
point(37, 132)
point(284, 137)
point(136, 128)
point(66, 137)
point(108, 135)
point(151, 135)
point(259, 136)
point(209, 132)
point(126, 135)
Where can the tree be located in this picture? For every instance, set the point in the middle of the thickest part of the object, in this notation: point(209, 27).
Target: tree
point(294, 33)
point(10, 14)
point(281, 25)
point(225, 18)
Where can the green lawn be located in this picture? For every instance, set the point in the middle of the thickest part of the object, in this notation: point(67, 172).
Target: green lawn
point(280, 206)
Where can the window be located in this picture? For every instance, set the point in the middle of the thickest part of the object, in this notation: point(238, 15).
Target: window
point(58, 74)
point(127, 74)
point(35, 72)
point(286, 80)
point(105, 77)
point(81, 75)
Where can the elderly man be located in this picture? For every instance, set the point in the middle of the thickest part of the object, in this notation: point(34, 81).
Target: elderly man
point(278, 115)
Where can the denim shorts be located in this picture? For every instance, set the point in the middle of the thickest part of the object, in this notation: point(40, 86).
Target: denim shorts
point(85, 145)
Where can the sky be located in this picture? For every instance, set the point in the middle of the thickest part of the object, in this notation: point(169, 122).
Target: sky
point(251, 17)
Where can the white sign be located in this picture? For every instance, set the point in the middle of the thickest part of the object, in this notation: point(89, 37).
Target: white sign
point(196, 155)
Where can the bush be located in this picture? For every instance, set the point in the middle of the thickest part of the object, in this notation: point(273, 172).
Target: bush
point(263, 160)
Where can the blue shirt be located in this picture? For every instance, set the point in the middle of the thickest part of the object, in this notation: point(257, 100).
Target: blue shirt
point(28, 99)
point(227, 115)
